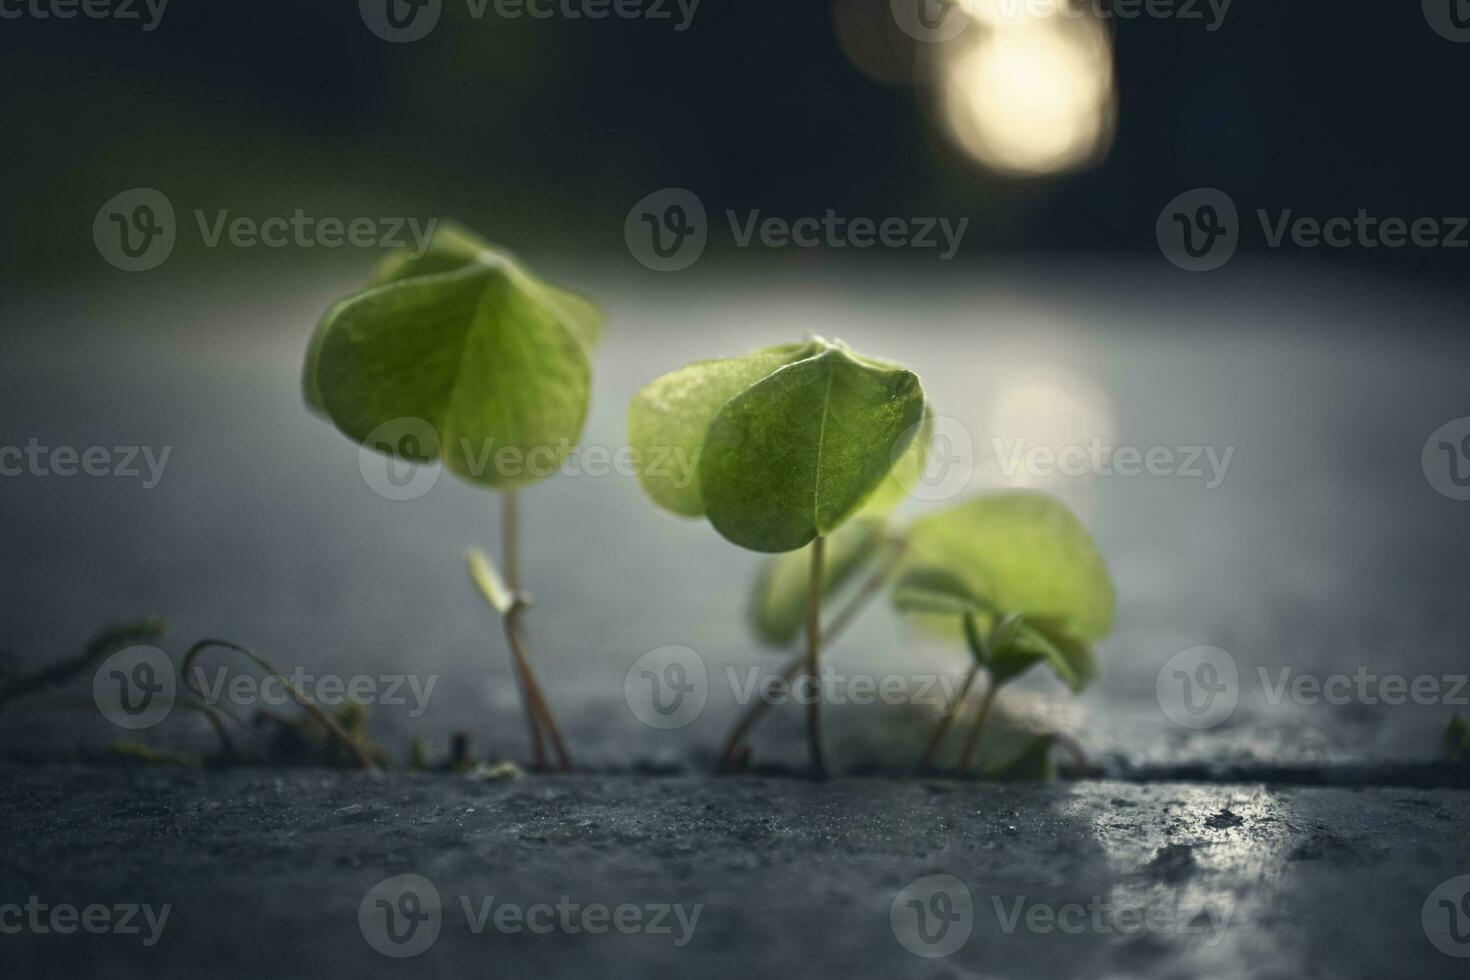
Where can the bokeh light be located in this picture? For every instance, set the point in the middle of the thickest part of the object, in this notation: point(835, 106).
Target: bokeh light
point(1024, 91)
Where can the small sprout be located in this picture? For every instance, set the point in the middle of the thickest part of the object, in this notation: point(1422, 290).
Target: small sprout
point(1026, 584)
point(461, 354)
point(786, 444)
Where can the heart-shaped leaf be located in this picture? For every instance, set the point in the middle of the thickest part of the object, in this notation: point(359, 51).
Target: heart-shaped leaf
point(493, 360)
point(791, 457)
point(1023, 552)
point(668, 419)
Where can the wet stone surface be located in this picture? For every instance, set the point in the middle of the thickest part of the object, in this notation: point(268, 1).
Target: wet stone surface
point(294, 873)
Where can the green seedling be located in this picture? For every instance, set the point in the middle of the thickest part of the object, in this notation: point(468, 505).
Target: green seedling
point(1014, 574)
point(1019, 578)
point(789, 443)
point(460, 354)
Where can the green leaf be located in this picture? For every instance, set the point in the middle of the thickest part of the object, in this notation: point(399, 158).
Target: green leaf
point(790, 458)
point(778, 606)
point(936, 591)
point(453, 246)
point(905, 473)
point(487, 355)
point(1024, 552)
point(669, 417)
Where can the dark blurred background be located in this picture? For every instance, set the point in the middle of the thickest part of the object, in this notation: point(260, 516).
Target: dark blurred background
point(544, 132)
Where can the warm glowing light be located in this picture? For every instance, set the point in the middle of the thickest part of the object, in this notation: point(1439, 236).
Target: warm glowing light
point(1029, 94)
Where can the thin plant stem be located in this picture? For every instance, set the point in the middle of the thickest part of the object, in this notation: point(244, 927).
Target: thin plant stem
point(813, 649)
point(327, 722)
point(510, 544)
point(973, 738)
point(536, 701)
point(940, 730)
point(510, 560)
point(757, 709)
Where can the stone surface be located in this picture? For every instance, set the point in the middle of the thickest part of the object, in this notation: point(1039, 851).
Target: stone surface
point(267, 871)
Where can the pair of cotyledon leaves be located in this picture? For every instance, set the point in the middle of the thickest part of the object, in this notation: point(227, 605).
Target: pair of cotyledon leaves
point(788, 442)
